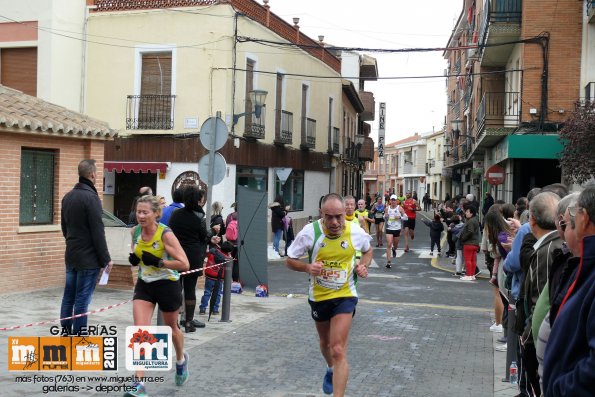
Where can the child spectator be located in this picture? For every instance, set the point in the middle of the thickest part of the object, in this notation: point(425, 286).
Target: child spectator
point(436, 229)
point(212, 274)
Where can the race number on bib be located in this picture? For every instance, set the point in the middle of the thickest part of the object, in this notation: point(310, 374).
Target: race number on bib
point(332, 278)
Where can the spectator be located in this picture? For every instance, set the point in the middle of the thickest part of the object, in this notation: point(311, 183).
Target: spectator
point(143, 191)
point(217, 222)
point(470, 238)
point(189, 226)
point(235, 211)
point(569, 367)
point(487, 203)
point(427, 202)
point(436, 229)
point(86, 248)
point(278, 212)
point(177, 198)
point(214, 274)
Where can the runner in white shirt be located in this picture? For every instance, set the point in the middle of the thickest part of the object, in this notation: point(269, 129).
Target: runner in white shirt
point(394, 216)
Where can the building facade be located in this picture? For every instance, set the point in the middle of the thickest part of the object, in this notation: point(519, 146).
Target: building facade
point(512, 77)
point(289, 117)
point(42, 145)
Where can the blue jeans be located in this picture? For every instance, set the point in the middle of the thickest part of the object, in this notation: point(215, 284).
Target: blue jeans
point(204, 302)
point(78, 291)
point(277, 234)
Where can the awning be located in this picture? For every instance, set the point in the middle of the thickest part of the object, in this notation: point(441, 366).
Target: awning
point(132, 166)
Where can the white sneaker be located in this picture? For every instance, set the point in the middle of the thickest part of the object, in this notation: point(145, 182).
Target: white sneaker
point(468, 278)
point(500, 348)
point(496, 327)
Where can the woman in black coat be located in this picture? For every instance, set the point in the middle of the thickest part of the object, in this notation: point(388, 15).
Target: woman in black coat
point(278, 213)
point(189, 226)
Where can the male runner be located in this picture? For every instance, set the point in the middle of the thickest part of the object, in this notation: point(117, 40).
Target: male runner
point(410, 206)
point(332, 244)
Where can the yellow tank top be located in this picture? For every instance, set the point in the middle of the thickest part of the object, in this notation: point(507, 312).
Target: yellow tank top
point(338, 257)
point(363, 213)
point(154, 246)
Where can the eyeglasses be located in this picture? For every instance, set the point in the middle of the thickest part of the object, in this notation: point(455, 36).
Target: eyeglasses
point(393, 199)
point(573, 209)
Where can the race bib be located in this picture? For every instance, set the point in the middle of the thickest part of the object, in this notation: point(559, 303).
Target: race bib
point(378, 215)
point(392, 221)
point(332, 277)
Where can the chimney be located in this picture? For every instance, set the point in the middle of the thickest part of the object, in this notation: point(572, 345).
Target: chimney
point(296, 25)
point(268, 8)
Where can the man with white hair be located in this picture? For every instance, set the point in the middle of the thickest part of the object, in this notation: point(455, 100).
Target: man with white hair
point(569, 368)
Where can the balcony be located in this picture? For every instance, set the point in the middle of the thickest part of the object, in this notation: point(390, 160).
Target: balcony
point(456, 67)
point(501, 23)
point(369, 103)
point(284, 134)
point(308, 133)
point(366, 152)
point(254, 128)
point(150, 112)
point(591, 10)
point(498, 110)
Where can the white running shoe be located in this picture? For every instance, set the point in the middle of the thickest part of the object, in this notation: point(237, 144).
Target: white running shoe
point(500, 348)
point(496, 327)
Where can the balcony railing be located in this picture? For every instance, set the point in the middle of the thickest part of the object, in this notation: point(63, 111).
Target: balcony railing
point(150, 112)
point(506, 11)
point(457, 66)
point(308, 133)
point(285, 133)
point(498, 109)
point(590, 92)
point(591, 10)
point(255, 126)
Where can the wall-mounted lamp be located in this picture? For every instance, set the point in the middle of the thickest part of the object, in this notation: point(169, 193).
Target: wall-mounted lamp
point(359, 140)
point(257, 98)
point(296, 20)
point(456, 127)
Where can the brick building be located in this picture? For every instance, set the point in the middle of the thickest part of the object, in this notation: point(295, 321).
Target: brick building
point(513, 77)
point(42, 145)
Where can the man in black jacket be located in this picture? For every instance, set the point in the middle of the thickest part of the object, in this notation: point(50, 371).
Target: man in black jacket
point(86, 248)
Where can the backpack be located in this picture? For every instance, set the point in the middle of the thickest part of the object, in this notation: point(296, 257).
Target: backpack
point(231, 234)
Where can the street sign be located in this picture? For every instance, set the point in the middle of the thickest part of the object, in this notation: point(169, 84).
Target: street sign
point(219, 168)
point(381, 127)
point(495, 175)
point(217, 126)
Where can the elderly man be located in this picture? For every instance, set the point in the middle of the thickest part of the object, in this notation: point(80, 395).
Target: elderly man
point(569, 365)
point(542, 220)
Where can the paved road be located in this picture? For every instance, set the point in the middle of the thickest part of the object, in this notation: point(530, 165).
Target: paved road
point(418, 331)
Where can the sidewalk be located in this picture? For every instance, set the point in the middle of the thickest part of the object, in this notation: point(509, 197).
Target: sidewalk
point(501, 389)
point(24, 308)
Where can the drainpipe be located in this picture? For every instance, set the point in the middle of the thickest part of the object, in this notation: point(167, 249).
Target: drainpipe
point(82, 103)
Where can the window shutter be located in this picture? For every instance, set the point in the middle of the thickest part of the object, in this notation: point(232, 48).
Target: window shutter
point(18, 69)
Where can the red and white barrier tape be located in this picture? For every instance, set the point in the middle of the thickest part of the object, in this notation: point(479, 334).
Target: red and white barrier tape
point(98, 310)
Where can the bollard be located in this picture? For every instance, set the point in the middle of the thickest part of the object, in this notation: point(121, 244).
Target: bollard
point(225, 304)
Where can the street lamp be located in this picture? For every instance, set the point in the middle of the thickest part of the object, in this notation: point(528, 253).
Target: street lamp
point(257, 98)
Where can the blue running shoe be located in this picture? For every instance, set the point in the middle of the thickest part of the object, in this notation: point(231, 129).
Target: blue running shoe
point(182, 371)
point(138, 391)
point(327, 383)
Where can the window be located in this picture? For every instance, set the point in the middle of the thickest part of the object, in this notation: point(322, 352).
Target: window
point(253, 178)
point(18, 69)
point(292, 190)
point(37, 187)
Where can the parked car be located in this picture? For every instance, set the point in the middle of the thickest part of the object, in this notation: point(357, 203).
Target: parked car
point(110, 220)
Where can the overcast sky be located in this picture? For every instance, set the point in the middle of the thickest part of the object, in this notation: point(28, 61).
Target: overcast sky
point(415, 105)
